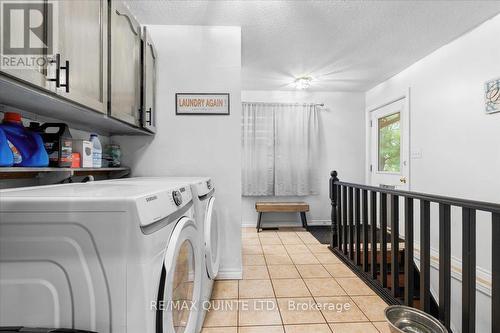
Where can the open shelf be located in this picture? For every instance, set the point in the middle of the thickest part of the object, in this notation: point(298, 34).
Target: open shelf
point(19, 172)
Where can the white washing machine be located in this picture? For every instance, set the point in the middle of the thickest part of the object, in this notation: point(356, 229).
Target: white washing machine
point(203, 191)
point(101, 257)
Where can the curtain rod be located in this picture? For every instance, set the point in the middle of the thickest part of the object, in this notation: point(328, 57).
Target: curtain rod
point(314, 104)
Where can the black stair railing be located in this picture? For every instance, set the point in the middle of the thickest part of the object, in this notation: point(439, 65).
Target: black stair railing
point(359, 237)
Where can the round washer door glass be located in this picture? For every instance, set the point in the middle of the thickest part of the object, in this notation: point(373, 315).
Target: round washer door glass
point(212, 241)
point(180, 287)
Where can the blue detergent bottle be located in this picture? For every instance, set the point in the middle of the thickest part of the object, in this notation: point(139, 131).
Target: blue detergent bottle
point(27, 147)
point(6, 157)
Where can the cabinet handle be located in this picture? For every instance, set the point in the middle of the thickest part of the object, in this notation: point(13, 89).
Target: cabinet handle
point(148, 119)
point(66, 68)
point(57, 61)
point(129, 20)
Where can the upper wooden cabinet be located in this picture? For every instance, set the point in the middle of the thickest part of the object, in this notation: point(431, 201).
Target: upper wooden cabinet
point(99, 59)
point(35, 75)
point(125, 65)
point(76, 67)
point(83, 49)
point(149, 68)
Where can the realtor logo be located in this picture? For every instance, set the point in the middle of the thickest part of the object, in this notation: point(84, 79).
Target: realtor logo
point(27, 31)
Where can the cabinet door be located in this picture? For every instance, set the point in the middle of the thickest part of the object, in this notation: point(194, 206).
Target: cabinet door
point(125, 65)
point(82, 45)
point(37, 61)
point(149, 58)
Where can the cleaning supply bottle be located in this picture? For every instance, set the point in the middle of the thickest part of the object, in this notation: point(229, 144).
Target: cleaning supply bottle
point(58, 144)
point(26, 146)
point(6, 157)
point(96, 151)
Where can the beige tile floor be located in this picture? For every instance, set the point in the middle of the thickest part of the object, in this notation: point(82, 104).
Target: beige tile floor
point(293, 284)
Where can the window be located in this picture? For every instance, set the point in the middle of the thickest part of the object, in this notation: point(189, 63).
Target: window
point(389, 143)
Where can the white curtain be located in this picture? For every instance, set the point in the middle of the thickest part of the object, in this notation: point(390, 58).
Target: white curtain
point(296, 150)
point(258, 149)
point(280, 149)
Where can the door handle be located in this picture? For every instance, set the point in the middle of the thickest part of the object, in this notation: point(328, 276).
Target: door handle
point(66, 84)
point(57, 61)
point(402, 180)
point(148, 117)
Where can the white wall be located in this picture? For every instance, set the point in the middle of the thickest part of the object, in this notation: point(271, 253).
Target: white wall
point(458, 143)
point(342, 149)
point(198, 59)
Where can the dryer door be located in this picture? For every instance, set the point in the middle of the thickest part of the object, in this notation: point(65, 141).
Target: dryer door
point(212, 239)
point(179, 294)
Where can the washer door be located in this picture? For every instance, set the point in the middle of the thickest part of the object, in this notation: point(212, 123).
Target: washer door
point(212, 239)
point(180, 283)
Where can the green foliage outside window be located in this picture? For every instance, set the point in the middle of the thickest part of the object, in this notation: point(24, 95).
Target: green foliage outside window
point(389, 146)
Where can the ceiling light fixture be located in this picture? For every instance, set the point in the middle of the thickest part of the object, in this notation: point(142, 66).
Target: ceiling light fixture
point(303, 82)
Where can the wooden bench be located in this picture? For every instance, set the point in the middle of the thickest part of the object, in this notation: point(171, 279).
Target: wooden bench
point(282, 207)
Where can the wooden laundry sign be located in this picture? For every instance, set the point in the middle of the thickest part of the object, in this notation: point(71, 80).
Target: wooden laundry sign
point(201, 103)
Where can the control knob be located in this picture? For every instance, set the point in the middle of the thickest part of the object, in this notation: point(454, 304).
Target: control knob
point(177, 196)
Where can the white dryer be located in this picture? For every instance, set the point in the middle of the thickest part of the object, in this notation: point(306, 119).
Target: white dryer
point(101, 257)
point(203, 190)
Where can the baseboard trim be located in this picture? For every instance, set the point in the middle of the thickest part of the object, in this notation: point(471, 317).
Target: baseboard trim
point(230, 275)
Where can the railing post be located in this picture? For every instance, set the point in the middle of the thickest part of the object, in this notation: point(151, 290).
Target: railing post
point(383, 239)
point(365, 230)
point(468, 270)
point(334, 201)
point(351, 223)
point(373, 233)
point(395, 245)
point(357, 227)
point(409, 271)
point(425, 255)
point(495, 273)
point(344, 219)
point(445, 264)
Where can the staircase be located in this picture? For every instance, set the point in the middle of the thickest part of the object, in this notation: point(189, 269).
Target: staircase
point(400, 255)
point(365, 230)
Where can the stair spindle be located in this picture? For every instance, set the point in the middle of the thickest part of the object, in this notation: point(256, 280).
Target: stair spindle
point(383, 239)
point(395, 245)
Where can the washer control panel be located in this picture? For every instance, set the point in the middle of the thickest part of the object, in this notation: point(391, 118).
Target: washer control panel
point(177, 196)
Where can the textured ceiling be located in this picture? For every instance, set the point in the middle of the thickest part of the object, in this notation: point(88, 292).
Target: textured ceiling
point(343, 45)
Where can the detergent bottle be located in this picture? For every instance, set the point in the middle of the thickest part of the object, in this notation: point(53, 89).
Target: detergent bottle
point(6, 157)
point(58, 144)
point(96, 151)
point(27, 147)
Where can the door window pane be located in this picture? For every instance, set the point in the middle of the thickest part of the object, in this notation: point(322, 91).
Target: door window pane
point(389, 143)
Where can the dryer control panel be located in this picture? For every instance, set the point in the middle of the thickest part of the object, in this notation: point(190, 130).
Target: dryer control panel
point(204, 186)
point(162, 204)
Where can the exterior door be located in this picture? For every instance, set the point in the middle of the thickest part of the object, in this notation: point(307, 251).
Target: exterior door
point(180, 283)
point(82, 46)
point(390, 146)
point(125, 65)
point(212, 239)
